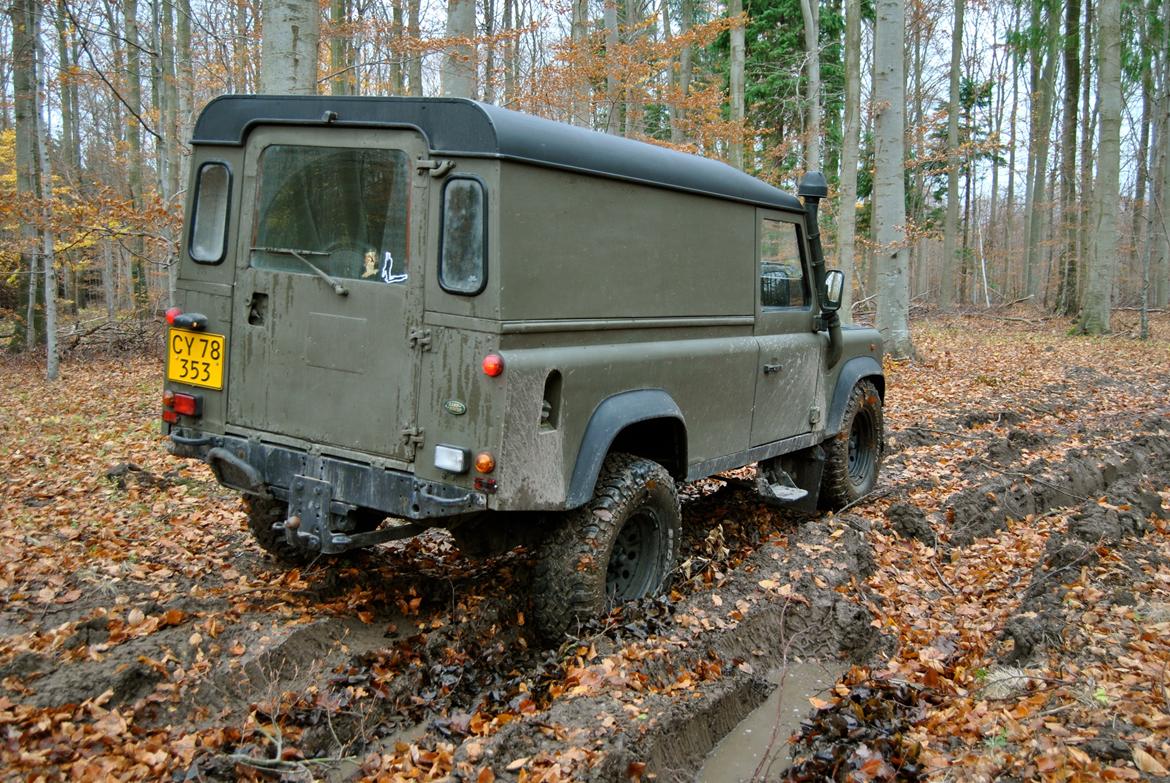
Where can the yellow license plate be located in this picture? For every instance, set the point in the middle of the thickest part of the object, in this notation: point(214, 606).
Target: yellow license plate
point(195, 358)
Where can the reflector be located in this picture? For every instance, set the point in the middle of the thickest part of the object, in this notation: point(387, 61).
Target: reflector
point(493, 364)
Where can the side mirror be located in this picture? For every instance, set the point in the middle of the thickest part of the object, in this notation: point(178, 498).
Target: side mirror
point(834, 289)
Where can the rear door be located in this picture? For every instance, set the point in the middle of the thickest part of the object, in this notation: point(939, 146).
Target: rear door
point(329, 287)
point(790, 350)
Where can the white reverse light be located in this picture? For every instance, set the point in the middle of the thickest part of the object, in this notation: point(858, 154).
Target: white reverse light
point(451, 459)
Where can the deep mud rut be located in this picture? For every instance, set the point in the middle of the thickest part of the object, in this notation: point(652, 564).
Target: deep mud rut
point(144, 636)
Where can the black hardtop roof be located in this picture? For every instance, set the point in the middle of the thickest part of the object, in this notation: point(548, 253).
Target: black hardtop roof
point(459, 127)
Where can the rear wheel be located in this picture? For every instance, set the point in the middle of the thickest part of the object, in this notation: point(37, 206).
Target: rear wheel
point(618, 547)
point(263, 513)
point(853, 455)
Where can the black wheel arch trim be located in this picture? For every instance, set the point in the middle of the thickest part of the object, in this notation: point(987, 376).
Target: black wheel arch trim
point(856, 369)
point(609, 418)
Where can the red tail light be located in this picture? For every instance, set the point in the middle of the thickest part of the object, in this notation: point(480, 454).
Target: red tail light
point(172, 313)
point(170, 417)
point(493, 365)
point(188, 404)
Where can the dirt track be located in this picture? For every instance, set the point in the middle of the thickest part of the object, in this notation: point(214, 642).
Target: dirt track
point(1025, 487)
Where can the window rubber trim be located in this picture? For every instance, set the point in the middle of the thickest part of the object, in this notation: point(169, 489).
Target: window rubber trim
point(227, 215)
point(443, 227)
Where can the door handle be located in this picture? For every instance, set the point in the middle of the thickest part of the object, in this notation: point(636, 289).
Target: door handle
point(771, 368)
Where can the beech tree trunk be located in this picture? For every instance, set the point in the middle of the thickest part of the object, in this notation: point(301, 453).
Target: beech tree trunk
point(613, 116)
point(1096, 306)
point(1040, 131)
point(738, 50)
point(288, 58)
point(889, 189)
point(459, 65)
point(847, 211)
point(947, 286)
point(812, 147)
point(412, 31)
point(1066, 300)
point(25, 16)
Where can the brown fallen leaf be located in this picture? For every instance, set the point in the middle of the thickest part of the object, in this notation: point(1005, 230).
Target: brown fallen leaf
point(1148, 764)
point(518, 763)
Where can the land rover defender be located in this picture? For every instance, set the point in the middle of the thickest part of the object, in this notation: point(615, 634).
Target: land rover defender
point(399, 313)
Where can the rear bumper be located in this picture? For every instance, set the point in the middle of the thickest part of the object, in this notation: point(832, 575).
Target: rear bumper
point(263, 468)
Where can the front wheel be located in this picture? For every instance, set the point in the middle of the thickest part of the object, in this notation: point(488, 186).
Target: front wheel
point(853, 455)
point(620, 546)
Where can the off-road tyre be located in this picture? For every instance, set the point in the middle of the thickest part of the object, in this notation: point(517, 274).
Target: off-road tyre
point(593, 560)
point(854, 455)
point(263, 513)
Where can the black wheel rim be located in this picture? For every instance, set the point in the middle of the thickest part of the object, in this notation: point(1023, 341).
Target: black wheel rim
point(632, 571)
point(861, 449)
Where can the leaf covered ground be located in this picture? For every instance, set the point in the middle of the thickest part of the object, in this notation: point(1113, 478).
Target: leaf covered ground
point(1002, 599)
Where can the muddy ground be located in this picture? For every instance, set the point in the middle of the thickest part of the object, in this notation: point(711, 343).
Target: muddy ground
point(999, 605)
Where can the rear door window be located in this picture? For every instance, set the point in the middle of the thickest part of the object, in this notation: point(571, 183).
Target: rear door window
point(345, 210)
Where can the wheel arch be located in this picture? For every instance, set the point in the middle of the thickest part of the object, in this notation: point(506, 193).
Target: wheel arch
point(644, 422)
point(856, 369)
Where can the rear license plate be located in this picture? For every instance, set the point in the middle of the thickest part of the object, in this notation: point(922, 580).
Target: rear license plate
point(195, 358)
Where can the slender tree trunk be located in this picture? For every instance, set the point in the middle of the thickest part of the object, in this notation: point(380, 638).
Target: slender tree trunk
point(678, 133)
point(48, 260)
point(579, 85)
point(185, 75)
point(1010, 201)
point(397, 30)
point(613, 115)
point(509, 53)
point(1041, 132)
point(489, 61)
point(412, 31)
point(812, 146)
point(134, 144)
point(738, 51)
point(1066, 300)
point(288, 65)
point(1143, 171)
point(635, 99)
point(1160, 267)
point(947, 288)
point(1088, 126)
point(1097, 306)
point(847, 211)
point(339, 35)
point(889, 196)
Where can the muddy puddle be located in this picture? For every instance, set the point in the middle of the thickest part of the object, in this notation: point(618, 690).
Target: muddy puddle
point(757, 748)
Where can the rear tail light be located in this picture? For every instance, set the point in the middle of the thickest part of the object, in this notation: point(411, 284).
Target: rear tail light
point(172, 314)
point(177, 403)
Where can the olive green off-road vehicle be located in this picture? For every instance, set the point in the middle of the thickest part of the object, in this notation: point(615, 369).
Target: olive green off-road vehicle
point(401, 313)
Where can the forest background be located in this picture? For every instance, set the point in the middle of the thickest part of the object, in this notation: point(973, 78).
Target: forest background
point(1016, 150)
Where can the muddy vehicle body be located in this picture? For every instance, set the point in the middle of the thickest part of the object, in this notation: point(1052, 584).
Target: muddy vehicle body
point(399, 313)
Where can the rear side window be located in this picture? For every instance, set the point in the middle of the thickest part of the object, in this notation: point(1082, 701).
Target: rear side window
point(345, 210)
point(208, 240)
point(463, 255)
point(782, 280)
